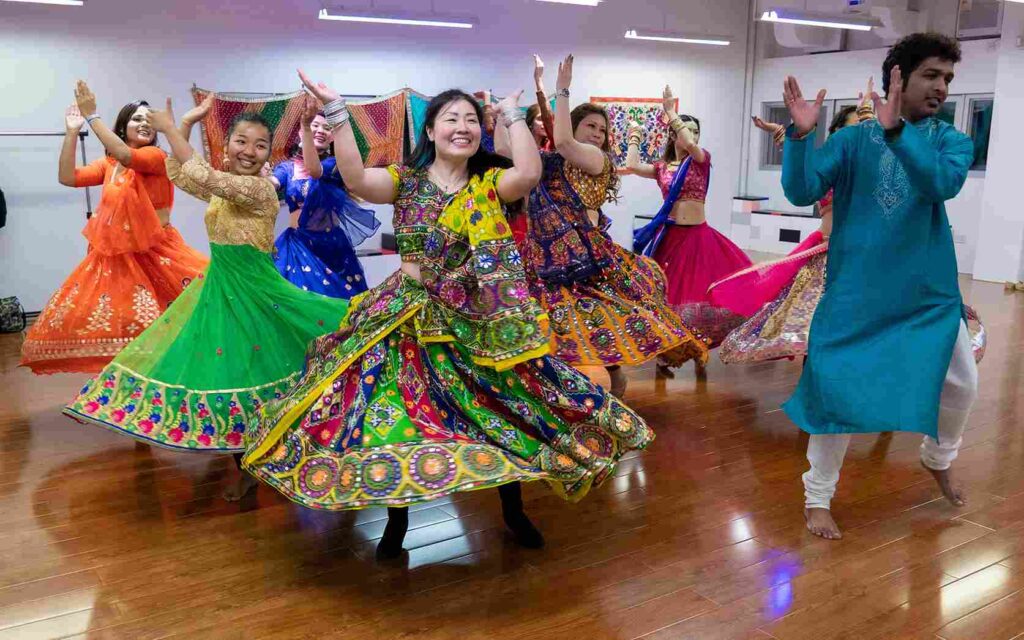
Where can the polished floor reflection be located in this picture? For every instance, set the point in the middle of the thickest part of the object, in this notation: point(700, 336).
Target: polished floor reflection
point(699, 537)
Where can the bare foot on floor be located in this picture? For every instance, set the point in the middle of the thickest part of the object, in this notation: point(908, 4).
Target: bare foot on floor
point(953, 492)
point(821, 524)
point(700, 369)
point(237, 490)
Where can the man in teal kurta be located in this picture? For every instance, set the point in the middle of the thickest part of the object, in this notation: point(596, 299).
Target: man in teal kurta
point(888, 348)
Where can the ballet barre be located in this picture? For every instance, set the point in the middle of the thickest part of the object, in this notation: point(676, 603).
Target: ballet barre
point(81, 147)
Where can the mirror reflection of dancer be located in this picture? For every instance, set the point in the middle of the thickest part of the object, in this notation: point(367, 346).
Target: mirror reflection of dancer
point(137, 262)
point(606, 304)
point(439, 380)
point(780, 296)
point(316, 252)
point(235, 339)
point(692, 254)
point(888, 349)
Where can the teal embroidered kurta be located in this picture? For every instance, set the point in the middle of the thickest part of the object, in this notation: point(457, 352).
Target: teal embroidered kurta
point(883, 333)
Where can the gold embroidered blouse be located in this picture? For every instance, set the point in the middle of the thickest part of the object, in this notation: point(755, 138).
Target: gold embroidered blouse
point(242, 208)
point(592, 190)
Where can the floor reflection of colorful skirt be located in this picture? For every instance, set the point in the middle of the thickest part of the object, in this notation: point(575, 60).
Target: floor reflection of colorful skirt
point(693, 257)
point(232, 341)
point(381, 417)
point(320, 261)
point(619, 317)
point(106, 302)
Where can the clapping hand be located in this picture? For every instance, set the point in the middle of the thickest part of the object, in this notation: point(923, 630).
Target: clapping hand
point(321, 91)
point(200, 111)
point(804, 114)
point(890, 112)
point(564, 74)
point(73, 119)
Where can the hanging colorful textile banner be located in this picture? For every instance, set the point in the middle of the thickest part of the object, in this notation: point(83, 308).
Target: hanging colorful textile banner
point(416, 112)
point(282, 111)
point(379, 127)
point(646, 111)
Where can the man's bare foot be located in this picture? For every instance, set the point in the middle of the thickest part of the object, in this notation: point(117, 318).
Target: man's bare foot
point(701, 369)
point(821, 524)
point(953, 492)
point(237, 490)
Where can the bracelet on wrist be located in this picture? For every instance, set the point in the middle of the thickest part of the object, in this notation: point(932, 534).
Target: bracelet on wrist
point(89, 119)
point(562, 93)
point(511, 120)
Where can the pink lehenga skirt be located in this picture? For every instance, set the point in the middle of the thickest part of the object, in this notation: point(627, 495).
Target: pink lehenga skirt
point(693, 257)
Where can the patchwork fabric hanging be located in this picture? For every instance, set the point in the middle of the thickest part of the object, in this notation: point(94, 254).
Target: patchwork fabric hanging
point(282, 111)
point(416, 112)
point(646, 111)
point(379, 127)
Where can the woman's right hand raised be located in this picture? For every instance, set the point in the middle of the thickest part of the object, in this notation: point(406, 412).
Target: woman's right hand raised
point(73, 119)
point(198, 112)
point(564, 73)
point(803, 113)
point(321, 91)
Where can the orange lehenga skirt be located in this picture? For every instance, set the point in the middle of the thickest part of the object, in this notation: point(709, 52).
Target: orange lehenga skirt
point(134, 268)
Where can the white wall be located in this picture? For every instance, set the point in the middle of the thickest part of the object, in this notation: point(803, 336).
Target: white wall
point(153, 49)
point(844, 75)
point(1001, 229)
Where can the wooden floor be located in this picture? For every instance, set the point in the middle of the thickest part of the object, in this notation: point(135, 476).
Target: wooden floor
point(699, 537)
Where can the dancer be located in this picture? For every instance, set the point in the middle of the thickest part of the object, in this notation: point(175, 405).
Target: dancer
point(316, 251)
point(236, 338)
point(439, 379)
point(692, 254)
point(606, 304)
point(888, 348)
point(780, 296)
point(136, 264)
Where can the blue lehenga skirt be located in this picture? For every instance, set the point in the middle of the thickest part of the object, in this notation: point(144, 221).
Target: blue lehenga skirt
point(320, 255)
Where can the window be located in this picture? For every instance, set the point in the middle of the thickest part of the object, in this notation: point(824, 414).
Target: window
point(771, 156)
point(948, 112)
point(979, 128)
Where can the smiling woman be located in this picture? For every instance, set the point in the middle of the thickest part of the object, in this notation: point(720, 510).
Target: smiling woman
point(235, 339)
point(439, 380)
point(137, 262)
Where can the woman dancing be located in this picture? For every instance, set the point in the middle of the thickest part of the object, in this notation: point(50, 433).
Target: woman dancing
point(136, 264)
point(235, 339)
point(316, 252)
point(439, 379)
point(780, 297)
point(692, 254)
point(606, 304)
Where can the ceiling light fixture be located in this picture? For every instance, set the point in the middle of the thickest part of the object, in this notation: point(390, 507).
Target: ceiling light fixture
point(409, 19)
point(584, 3)
point(66, 3)
point(818, 19)
point(669, 36)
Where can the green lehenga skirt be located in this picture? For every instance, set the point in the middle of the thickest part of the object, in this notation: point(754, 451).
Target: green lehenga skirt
point(234, 340)
point(384, 417)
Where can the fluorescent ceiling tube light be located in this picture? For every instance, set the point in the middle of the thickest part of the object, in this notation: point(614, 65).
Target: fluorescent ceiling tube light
point(668, 36)
point(418, 20)
point(818, 19)
point(587, 3)
point(67, 3)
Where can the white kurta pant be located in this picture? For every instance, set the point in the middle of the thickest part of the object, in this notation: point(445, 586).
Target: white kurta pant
point(960, 388)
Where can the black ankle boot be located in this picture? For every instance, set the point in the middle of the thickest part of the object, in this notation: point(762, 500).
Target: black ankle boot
point(525, 533)
point(390, 546)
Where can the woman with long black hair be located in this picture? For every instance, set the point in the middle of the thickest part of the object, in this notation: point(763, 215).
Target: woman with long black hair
point(439, 379)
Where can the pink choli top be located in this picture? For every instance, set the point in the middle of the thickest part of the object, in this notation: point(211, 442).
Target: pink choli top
point(695, 185)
